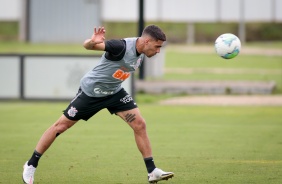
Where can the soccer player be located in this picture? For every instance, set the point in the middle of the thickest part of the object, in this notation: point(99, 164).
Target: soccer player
point(101, 88)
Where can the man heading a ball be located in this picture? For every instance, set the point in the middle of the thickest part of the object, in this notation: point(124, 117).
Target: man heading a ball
point(101, 88)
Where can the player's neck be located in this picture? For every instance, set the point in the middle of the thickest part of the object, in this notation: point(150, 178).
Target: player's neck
point(140, 45)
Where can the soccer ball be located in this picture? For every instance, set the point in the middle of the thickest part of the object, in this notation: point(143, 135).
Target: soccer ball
point(227, 46)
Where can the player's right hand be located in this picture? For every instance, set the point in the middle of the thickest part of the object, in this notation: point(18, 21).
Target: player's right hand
point(98, 35)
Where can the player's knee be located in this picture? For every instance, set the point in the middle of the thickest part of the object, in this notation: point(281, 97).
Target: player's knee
point(140, 125)
point(61, 127)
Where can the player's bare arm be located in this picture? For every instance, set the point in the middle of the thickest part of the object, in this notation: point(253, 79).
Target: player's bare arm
point(96, 42)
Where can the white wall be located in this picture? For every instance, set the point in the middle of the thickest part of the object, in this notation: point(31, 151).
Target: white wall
point(172, 10)
point(193, 10)
point(46, 77)
point(10, 10)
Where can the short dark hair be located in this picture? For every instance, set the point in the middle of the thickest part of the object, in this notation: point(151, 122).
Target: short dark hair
point(155, 32)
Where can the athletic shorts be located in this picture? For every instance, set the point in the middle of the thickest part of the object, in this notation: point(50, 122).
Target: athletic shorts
point(84, 107)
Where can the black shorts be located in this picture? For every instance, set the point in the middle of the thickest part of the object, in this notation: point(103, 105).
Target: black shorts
point(84, 107)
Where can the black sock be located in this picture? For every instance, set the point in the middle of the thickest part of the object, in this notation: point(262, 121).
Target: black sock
point(149, 162)
point(34, 159)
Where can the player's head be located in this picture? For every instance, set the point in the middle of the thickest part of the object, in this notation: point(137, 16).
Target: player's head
point(154, 32)
point(153, 38)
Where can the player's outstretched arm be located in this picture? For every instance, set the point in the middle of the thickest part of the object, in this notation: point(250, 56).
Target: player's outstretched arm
point(96, 42)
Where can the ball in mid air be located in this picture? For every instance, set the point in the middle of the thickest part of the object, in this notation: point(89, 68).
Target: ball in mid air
point(227, 45)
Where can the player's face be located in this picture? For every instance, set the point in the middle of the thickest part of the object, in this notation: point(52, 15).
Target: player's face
point(152, 47)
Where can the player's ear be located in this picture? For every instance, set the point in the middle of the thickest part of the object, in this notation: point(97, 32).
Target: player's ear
point(147, 40)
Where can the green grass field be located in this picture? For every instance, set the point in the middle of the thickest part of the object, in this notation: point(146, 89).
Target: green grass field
point(201, 144)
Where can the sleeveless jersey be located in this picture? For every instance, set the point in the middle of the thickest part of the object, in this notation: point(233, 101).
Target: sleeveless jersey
point(106, 78)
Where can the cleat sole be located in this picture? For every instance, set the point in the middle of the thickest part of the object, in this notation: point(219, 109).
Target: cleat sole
point(163, 178)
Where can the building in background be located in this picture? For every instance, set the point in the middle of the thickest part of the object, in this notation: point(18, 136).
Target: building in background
point(71, 21)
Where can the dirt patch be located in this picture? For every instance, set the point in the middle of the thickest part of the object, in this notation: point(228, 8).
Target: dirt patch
point(206, 87)
point(242, 100)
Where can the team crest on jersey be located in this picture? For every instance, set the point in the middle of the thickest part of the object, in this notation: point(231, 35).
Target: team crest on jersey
point(72, 111)
point(137, 64)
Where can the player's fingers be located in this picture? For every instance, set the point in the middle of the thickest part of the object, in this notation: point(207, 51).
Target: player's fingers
point(101, 30)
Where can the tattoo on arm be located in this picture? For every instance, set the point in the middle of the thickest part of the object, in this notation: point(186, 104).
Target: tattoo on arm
point(130, 117)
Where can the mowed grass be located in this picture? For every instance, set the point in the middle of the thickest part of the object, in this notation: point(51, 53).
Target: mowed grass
point(207, 66)
point(201, 144)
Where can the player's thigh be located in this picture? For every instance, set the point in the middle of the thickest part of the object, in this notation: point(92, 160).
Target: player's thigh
point(133, 118)
point(120, 102)
point(83, 106)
